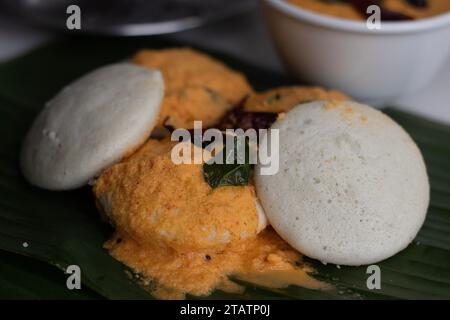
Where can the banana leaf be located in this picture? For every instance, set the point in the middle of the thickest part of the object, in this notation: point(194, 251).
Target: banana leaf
point(64, 228)
point(25, 278)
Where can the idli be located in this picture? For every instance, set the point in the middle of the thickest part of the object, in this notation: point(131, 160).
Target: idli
point(91, 124)
point(352, 186)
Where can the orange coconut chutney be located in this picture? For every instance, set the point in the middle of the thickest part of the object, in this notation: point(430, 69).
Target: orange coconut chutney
point(197, 87)
point(283, 99)
point(265, 260)
point(158, 202)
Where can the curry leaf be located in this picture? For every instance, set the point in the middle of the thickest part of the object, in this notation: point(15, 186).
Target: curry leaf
point(234, 167)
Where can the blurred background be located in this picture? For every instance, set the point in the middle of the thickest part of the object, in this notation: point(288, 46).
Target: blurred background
point(233, 27)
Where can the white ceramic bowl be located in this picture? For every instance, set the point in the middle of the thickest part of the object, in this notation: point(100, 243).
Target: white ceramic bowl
point(374, 66)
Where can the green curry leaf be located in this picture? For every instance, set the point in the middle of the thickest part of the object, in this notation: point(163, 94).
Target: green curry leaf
point(233, 170)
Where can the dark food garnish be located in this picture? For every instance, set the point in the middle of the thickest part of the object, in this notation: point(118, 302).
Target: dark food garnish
point(238, 118)
point(418, 3)
point(362, 5)
point(386, 14)
point(389, 15)
point(168, 127)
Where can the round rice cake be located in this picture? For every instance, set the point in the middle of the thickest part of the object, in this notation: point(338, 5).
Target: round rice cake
point(352, 186)
point(91, 124)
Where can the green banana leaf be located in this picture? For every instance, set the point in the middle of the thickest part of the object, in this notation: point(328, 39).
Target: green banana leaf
point(64, 228)
point(25, 278)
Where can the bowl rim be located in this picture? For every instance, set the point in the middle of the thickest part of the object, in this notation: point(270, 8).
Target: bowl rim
point(418, 25)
